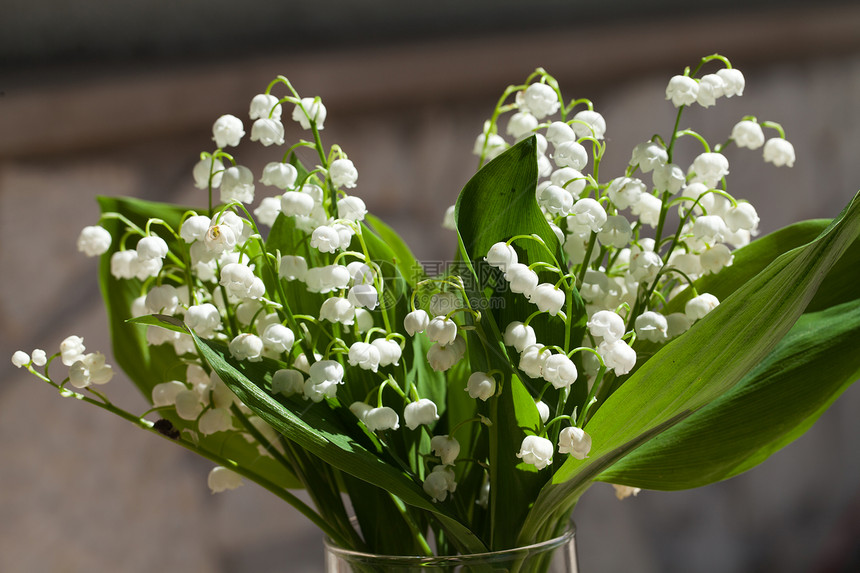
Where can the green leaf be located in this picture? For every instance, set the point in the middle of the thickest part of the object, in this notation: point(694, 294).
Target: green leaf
point(318, 429)
point(773, 405)
point(700, 366)
point(405, 261)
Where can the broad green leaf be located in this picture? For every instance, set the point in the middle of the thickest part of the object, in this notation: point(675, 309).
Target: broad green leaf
point(701, 365)
point(318, 429)
point(405, 261)
point(774, 404)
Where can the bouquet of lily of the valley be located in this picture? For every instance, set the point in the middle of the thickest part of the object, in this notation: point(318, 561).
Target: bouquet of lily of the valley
point(623, 329)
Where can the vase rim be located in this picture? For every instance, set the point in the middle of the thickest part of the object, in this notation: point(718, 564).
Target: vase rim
point(548, 545)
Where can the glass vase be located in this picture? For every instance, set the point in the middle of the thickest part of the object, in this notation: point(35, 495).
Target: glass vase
point(553, 556)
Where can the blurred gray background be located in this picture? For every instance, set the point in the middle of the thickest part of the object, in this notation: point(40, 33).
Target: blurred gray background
point(119, 97)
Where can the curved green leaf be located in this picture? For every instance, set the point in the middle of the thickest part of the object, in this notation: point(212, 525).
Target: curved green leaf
point(773, 405)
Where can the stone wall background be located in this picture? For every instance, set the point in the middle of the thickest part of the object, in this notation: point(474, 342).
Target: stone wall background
point(81, 491)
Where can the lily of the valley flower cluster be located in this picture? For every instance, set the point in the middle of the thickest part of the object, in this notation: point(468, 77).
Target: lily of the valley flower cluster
point(622, 257)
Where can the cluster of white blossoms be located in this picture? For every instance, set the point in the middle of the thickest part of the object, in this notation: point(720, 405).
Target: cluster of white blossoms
point(633, 242)
point(315, 303)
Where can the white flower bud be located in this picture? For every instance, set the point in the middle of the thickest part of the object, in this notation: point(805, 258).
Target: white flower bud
point(644, 265)
point(448, 220)
point(442, 330)
point(20, 359)
point(268, 131)
point(237, 185)
point(733, 80)
point(351, 208)
point(439, 483)
point(589, 123)
point(779, 151)
point(343, 173)
point(94, 240)
point(607, 325)
point(617, 355)
point(202, 170)
point(422, 411)
point(521, 124)
point(495, 144)
point(543, 411)
point(72, 349)
point(446, 447)
point(624, 491)
point(151, 247)
point(519, 336)
point(536, 451)
point(540, 100)
point(698, 307)
point(222, 479)
point(548, 298)
point(364, 355)
point(384, 418)
point(416, 321)
point(264, 105)
point(247, 346)
point(651, 326)
point(363, 320)
point(570, 179)
point(748, 134)
point(338, 309)
point(570, 154)
point(389, 351)
point(287, 382)
point(682, 90)
point(311, 110)
point(215, 420)
point(227, 131)
point(742, 217)
point(574, 441)
point(481, 386)
point(559, 371)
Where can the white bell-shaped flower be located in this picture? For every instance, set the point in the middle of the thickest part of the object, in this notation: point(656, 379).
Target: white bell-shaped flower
point(389, 351)
point(151, 247)
point(364, 355)
point(188, 404)
point(287, 381)
point(247, 346)
point(548, 298)
point(279, 174)
point(733, 81)
point(532, 360)
point(519, 336)
point(326, 371)
point(682, 90)
point(223, 479)
point(439, 483)
point(543, 411)
point(72, 349)
point(699, 306)
point(651, 325)
point(589, 123)
point(710, 168)
point(481, 386)
point(711, 87)
point(443, 303)
point(669, 177)
point(278, 338)
point(558, 132)
point(241, 282)
point(268, 131)
point(648, 155)
point(540, 100)
point(343, 173)
point(163, 299)
point(90, 369)
point(647, 208)
point(521, 124)
point(363, 295)
point(742, 217)
point(521, 278)
point(351, 208)
point(644, 265)
point(227, 131)
point(363, 320)
point(715, 258)
point(194, 228)
point(265, 105)
point(617, 355)
point(446, 447)
point(326, 239)
point(94, 240)
point(384, 418)
point(206, 168)
point(442, 330)
point(679, 323)
point(709, 228)
point(501, 256)
point(293, 267)
point(421, 411)
point(587, 215)
point(536, 451)
point(442, 358)
point(606, 324)
point(574, 441)
point(779, 151)
point(215, 420)
point(220, 238)
point(338, 309)
point(360, 409)
point(559, 371)
point(310, 111)
point(747, 133)
point(164, 394)
point(556, 200)
point(616, 232)
point(296, 203)
point(570, 154)
point(317, 392)
point(416, 321)
point(625, 191)
point(570, 179)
